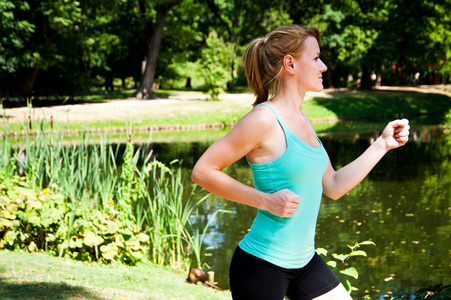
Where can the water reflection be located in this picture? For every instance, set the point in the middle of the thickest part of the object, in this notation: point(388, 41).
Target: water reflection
point(403, 206)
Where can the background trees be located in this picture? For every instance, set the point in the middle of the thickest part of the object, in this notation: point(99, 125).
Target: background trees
point(35, 37)
point(62, 47)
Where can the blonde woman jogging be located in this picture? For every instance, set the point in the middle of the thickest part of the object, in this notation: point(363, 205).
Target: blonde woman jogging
point(291, 171)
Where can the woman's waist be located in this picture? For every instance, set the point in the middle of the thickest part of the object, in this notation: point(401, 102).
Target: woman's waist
point(269, 228)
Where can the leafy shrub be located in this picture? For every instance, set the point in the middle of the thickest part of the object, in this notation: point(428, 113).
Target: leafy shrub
point(85, 201)
point(44, 220)
point(448, 121)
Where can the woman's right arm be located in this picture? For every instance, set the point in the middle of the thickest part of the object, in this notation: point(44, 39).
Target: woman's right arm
point(247, 135)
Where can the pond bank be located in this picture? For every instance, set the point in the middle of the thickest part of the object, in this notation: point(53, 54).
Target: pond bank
point(187, 112)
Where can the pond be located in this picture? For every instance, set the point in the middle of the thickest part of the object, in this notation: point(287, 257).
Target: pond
point(403, 206)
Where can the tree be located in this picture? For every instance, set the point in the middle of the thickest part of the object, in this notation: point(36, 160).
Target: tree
point(216, 58)
point(181, 47)
point(14, 34)
point(38, 30)
point(238, 22)
point(415, 38)
point(59, 46)
point(111, 36)
point(161, 8)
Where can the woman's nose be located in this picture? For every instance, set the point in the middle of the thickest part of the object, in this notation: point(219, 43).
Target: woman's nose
point(323, 67)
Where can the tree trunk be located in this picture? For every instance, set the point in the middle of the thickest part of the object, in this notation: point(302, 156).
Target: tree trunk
point(48, 36)
point(329, 82)
point(26, 88)
point(365, 80)
point(145, 87)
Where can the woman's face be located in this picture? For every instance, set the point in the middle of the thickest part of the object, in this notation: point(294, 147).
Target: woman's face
point(309, 67)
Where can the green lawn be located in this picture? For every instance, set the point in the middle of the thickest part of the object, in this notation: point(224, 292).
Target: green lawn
point(375, 103)
point(336, 105)
point(40, 276)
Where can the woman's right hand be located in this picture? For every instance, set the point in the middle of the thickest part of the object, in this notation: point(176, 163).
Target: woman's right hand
point(283, 203)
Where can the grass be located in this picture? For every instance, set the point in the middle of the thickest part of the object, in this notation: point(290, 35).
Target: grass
point(351, 104)
point(333, 106)
point(40, 276)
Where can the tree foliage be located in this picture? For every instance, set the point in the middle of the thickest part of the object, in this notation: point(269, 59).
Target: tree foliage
point(58, 46)
point(216, 58)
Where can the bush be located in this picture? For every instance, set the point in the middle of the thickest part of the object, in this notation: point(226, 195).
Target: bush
point(45, 221)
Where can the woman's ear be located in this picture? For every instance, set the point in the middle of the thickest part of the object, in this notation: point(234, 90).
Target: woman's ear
point(288, 63)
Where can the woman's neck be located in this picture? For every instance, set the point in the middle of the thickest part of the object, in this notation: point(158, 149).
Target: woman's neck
point(289, 98)
point(288, 102)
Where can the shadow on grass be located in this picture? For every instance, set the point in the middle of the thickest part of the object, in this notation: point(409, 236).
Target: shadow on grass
point(76, 98)
point(380, 104)
point(43, 290)
point(80, 98)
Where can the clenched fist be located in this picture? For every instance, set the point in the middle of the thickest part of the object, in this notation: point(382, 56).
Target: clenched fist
point(396, 134)
point(283, 203)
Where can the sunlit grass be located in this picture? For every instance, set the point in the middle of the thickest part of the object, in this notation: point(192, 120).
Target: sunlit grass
point(193, 113)
point(40, 276)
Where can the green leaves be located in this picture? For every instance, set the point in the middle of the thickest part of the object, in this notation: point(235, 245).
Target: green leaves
point(350, 272)
point(94, 210)
point(321, 251)
point(91, 239)
point(216, 59)
point(46, 214)
point(343, 258)
point(364, 243)
point(357, 253)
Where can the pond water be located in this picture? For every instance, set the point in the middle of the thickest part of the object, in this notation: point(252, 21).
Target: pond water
point(403, 206)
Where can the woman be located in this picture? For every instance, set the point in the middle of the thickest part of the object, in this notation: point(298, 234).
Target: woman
point(291, 170)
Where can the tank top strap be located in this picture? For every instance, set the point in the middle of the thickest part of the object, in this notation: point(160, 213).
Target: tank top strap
point(286, 130)
point(313, 130)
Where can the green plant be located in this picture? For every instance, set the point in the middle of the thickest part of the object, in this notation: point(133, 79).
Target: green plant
point(343, 258)
point(166, 209)
point(448, 121)
point(216, 58)
point(196, 239)
point(82, 200)
point(36, 221)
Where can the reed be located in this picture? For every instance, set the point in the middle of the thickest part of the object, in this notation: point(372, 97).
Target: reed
point(166, 211)
point(93, 173)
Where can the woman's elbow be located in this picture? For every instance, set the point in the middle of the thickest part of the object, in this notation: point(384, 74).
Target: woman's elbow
point(195, 175)
point(199, 174)
point(333, 195)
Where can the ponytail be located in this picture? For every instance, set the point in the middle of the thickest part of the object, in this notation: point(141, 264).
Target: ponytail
point(253, 68)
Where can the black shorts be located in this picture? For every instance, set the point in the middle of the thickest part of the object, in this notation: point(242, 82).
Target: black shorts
point(254, 278)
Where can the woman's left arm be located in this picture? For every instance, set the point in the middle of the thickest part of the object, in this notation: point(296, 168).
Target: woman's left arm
point(337, 183)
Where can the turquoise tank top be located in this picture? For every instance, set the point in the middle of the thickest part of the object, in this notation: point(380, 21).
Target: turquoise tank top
point(288, 242)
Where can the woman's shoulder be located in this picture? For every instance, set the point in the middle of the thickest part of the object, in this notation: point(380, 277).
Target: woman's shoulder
point(261, 116)
point(256, 124)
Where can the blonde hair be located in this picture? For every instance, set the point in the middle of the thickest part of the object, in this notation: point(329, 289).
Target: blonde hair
point(263, 58)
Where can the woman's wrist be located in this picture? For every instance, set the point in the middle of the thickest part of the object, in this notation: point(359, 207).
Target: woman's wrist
point(381, 145)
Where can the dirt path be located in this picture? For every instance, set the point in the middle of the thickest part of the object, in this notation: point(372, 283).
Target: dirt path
point(123, 110)
point(119, 110)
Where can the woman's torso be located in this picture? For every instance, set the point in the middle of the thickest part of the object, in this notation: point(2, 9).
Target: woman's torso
point(288, 242)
